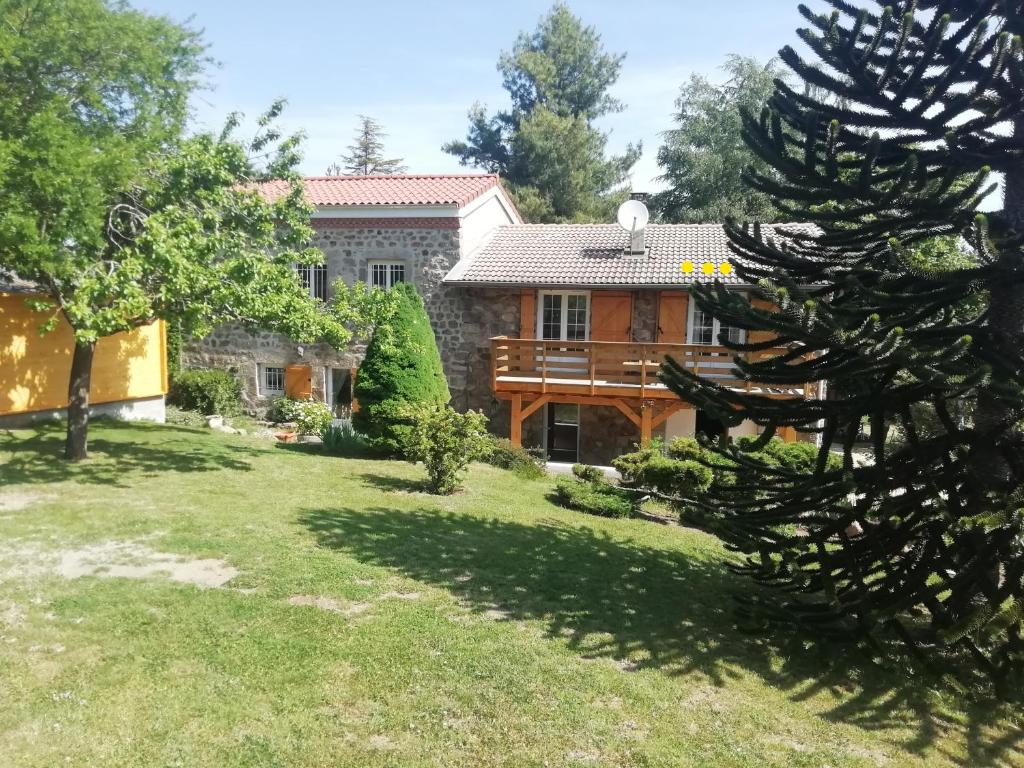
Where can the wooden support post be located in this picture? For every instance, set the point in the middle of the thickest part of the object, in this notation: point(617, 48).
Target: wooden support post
point(645, 423)
point(516, 430)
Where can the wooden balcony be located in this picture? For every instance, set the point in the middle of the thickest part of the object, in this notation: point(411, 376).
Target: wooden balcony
point(531, 373)
point(606, 369)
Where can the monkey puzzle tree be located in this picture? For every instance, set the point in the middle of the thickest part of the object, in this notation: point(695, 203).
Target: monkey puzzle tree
point(913, 106)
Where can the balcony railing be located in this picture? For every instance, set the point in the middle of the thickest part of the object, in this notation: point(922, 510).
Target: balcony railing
point(616, 369)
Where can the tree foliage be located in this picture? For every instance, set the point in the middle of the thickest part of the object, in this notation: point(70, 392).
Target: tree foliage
point(546, 146)
point(704, 155)
point(115, 215)
point(446, 441)
point(923, 543)
point(402, 368)
point(366, 154)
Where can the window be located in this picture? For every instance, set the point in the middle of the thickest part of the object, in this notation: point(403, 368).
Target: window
point(386, 274)
point(313, 278)
point(705, 329)
point(271, 380)
point(564, 316)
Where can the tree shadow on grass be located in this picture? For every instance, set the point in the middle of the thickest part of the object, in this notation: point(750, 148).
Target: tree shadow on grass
point(616, 599)
point(392, 483)
point(116, 450)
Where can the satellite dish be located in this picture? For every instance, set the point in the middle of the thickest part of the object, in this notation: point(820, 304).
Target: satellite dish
point(633, 216)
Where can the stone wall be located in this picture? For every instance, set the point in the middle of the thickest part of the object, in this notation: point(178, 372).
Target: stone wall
point(427, 253)
point(464, 321)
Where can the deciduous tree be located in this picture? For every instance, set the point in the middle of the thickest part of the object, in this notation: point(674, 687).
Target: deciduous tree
point(116, 217)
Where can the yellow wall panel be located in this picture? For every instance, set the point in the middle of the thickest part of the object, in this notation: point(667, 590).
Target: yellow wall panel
point(34, 369)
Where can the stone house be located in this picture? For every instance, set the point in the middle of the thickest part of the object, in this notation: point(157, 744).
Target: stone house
point(380, 230)
point(555, 332)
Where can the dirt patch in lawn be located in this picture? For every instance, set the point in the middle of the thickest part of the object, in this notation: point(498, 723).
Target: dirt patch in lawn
point(328, 604)
point(15, 501)
point(114, 559)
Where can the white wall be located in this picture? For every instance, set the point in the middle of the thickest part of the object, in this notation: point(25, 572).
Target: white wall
point(684, 424)
point(480, 219)
point(681, 424)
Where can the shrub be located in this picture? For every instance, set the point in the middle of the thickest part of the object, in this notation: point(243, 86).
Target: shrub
point(446, 441)
point(402, 368)
point(650, 469)
point(342, 440)
point(587, 473)
point(312, 417)
point(210, 391)
point(282, 409)
point(502, 454)
point(594, 498)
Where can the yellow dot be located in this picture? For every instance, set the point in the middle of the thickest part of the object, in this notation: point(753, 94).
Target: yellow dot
point(707, 268)
point(687, 267)
point(726, 268)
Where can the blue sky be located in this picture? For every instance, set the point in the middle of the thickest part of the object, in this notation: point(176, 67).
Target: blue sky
point(417, 67)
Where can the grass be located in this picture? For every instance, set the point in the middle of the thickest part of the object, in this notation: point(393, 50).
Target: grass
point(489, 628)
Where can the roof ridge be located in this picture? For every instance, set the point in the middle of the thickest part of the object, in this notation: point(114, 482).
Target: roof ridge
point(389, 176)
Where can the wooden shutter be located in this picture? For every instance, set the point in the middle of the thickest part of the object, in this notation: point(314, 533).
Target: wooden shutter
point(611, 316)
point(672, 306)
point(528, 315)
point(756, 337)
point(298, 382)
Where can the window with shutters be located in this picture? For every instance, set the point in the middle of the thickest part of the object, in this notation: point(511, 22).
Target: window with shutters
point(564, 315)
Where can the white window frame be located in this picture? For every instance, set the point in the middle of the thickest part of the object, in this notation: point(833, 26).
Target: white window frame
point(716, 328)
point(308, 279)
point(390, 273)
point(264, 388)
point(563, 332)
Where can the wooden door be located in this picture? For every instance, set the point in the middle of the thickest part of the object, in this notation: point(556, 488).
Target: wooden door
point(298, 382)
point(672, 307)
point(611, 316)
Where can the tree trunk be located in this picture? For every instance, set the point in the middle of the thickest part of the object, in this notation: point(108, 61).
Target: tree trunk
point(77, 446)
point(1006, 321)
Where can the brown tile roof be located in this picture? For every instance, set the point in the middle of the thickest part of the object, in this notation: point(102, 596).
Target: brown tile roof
point(592, 255)
point(404, 189)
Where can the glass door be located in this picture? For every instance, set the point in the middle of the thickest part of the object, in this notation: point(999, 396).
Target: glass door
point(563, 432)
point(564, 316)
point(706, 330)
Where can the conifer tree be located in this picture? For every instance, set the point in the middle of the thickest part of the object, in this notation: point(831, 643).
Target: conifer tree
point(913, 105)
point(402, 368)
point(366, 155)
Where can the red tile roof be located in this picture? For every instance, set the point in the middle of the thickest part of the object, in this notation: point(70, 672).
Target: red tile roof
point(404, 189)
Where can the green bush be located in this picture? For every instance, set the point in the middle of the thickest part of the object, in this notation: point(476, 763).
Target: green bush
point(650, 469)
point(343, 440)
point(402, 368)
point(524, 464)
point(599, 499)
point(210, 391)
point(587, 473)
point(311, 417)
point(446, 441)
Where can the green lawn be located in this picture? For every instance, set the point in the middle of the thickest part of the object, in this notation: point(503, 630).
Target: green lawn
point(370, 624)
